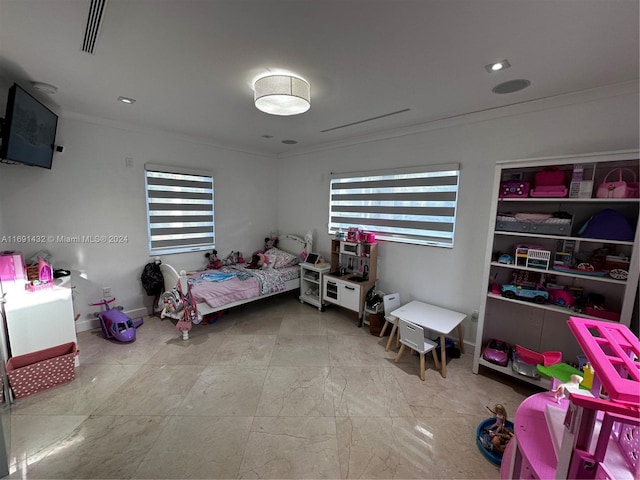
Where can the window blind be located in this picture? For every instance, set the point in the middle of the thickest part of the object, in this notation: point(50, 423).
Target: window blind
point(180, 210)
point(412, 205)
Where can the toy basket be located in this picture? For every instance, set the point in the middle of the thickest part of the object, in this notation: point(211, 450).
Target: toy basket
point(41, 370)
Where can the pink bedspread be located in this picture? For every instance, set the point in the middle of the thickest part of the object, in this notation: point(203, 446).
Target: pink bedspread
point(223, 293)
point(245, 285)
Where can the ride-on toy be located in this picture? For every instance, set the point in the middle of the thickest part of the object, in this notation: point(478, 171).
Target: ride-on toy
point(115, 324)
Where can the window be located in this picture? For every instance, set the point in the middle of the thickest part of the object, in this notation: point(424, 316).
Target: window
point(180, 210)
point(411, 205)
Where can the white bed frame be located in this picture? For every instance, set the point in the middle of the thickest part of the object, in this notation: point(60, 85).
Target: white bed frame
point(290, 243)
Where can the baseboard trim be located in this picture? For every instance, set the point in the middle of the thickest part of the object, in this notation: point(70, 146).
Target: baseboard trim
point(93, 323)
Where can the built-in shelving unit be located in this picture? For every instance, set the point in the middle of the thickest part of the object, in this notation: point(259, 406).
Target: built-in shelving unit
point(543, 327)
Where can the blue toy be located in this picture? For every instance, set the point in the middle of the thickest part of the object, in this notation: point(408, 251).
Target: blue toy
point(491, 442)
point(115, 324)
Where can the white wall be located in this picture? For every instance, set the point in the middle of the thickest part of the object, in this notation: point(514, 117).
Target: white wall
point(89, 191)
point(452, 277)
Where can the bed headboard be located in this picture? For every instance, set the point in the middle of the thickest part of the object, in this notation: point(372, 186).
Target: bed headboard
point(296, 244)
point(171, 276)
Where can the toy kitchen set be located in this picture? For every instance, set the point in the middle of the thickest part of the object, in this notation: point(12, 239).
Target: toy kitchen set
point(37, 310)
point(353, 271)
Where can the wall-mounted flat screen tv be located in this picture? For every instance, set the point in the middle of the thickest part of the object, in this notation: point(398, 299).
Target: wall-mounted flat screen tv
point(29, 130)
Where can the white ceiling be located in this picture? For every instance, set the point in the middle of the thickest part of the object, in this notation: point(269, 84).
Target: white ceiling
point(190, 64)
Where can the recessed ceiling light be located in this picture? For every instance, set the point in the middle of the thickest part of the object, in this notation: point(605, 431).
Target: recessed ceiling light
point(45, 87)
point(267, 136)
point(127, 100)
point(497, 66)
point(289, 142)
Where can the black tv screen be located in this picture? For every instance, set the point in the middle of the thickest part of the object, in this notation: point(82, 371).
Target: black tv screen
point(29, 131)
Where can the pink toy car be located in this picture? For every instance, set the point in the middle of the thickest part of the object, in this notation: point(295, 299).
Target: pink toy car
point(497, 352)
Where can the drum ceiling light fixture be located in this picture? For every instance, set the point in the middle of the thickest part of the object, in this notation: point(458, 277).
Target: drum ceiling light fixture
point(282, 95)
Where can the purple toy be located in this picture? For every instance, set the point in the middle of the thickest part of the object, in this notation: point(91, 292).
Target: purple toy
point(115, 324)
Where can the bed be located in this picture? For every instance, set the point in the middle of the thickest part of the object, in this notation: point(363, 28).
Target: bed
point(234, 285)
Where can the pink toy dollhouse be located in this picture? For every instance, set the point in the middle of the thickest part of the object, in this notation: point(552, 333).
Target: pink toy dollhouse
point(592, 434)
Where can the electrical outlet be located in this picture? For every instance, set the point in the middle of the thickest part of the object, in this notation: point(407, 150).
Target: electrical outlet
point(128, 162)
point(475, 313)
point(106, 292)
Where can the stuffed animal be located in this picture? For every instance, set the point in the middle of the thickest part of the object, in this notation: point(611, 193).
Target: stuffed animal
point(270, 242)
point(232, 258)
point(259, 261)
point(214, 261)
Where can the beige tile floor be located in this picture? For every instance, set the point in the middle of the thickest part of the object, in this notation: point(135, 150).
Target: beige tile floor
point(275, 389)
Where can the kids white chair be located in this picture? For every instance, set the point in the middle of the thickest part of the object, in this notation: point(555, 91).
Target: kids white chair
point(391, 302)
point(412, 336)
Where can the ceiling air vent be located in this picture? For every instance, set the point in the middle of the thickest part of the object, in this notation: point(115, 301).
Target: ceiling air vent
point(94, 22)
point(511, 86)
point(365, 120)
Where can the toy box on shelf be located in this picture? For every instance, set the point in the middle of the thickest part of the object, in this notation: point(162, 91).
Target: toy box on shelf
point(557, 223)
point(581, 185)
point(549, 182)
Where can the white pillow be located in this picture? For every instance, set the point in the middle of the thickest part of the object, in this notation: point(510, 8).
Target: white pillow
point(282, 259)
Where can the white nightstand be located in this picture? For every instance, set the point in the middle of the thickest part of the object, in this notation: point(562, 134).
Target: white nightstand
point(311, 284)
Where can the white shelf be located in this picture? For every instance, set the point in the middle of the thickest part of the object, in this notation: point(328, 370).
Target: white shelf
point(561, 237)
point(569, 200)
point(545, 306)
point(559, 273)
point(541, 382)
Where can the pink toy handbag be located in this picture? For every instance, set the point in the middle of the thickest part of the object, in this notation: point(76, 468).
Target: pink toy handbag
point(619, 188)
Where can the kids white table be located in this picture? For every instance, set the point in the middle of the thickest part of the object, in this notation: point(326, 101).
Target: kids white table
point(434, 318)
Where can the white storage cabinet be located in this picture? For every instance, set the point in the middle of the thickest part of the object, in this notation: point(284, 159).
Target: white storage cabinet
point(343, 293)
point(39, 320)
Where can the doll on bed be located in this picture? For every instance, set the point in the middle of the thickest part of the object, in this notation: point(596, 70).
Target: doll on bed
point(214, 261)
point(270, 242)
point(258, 261)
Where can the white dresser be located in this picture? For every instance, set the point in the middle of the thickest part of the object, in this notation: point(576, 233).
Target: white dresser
point(39, 320)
